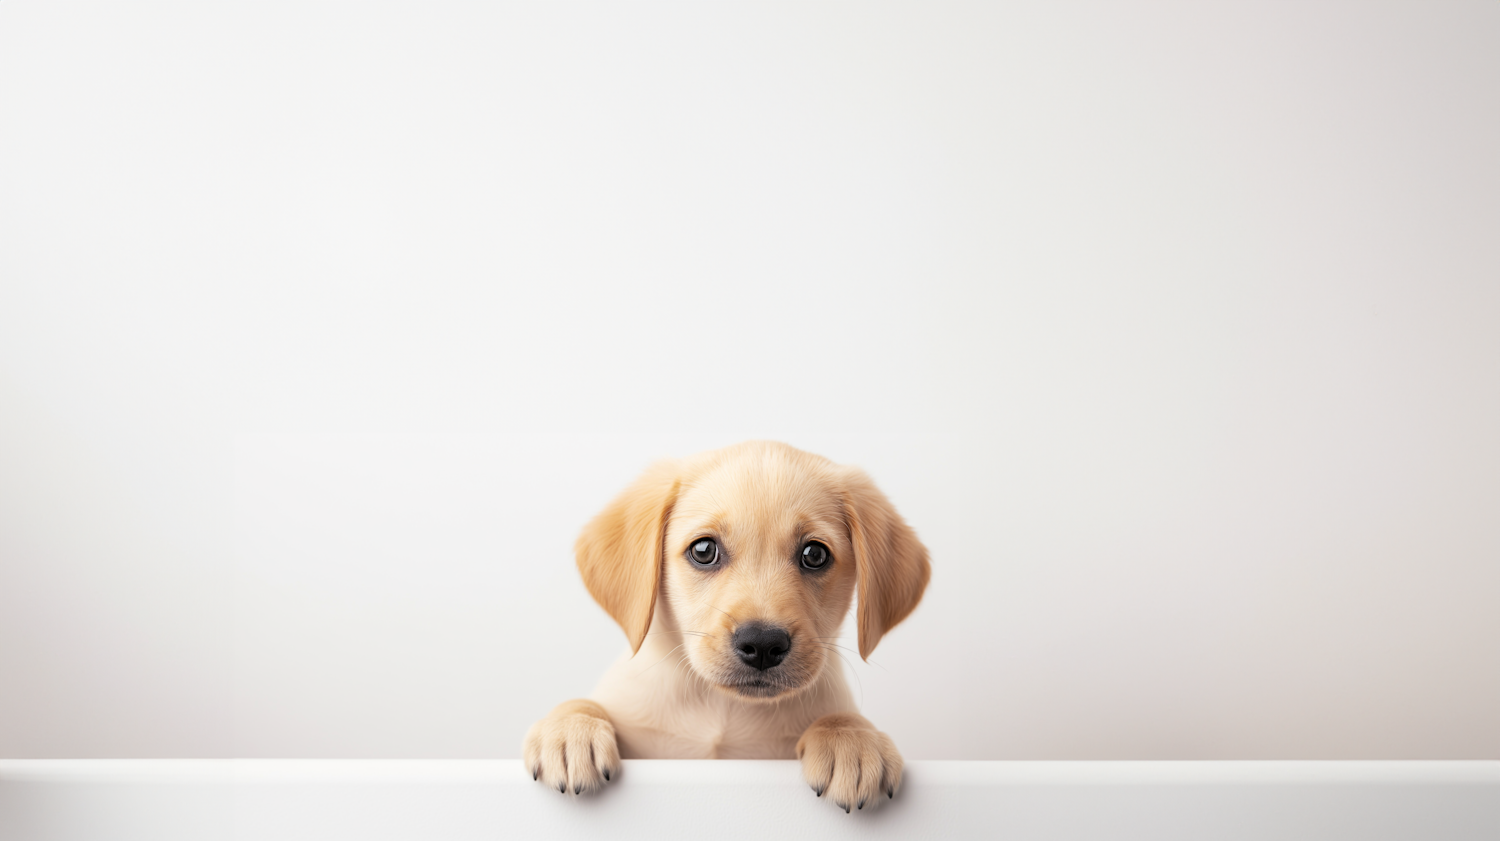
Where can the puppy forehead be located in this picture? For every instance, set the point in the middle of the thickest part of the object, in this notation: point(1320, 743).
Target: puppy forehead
point(764, 497)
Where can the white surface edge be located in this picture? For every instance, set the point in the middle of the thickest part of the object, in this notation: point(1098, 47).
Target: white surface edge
point(691, 772)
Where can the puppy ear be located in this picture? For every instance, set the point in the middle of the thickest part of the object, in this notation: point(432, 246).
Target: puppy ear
point(891, 562)
point(619, 552)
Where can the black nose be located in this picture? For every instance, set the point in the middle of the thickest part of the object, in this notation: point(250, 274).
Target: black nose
point(761, 646)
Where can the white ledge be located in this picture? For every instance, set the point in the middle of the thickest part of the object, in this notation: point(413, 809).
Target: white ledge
point(374, 800)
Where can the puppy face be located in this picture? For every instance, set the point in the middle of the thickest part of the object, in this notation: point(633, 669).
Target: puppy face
point(755, 552)
point(758, 571)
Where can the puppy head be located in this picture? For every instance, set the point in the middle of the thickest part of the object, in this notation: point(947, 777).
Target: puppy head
point(756, 551)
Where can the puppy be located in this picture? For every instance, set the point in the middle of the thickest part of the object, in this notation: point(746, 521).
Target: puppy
point(730, 573)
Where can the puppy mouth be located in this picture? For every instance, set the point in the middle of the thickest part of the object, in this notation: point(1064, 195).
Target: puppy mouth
point(762, 684)
point(757, 688)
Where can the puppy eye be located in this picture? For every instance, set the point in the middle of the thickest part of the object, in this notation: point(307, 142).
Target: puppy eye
point(704, 552)
point(815, 556)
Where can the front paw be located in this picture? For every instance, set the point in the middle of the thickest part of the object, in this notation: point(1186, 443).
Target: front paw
point(573, 748)
point(846, 758)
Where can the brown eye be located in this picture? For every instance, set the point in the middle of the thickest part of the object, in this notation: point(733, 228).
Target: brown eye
point(815, 556)
point(705, 552)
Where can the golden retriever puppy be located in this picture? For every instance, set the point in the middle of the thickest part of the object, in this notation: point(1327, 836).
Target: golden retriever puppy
point(730, 573)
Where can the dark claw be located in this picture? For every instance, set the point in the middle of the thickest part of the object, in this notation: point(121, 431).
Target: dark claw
point(891, 793)
point(861, 804)
point(536, 773)
point(819, 791)
point(578, 789)
point(606, 775)
point(846, 809)
point(562, 788)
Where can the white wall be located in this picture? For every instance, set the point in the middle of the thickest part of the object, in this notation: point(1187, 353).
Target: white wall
point(1174, 330)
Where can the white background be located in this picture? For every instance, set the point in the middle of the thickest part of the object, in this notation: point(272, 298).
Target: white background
point(1173, 330)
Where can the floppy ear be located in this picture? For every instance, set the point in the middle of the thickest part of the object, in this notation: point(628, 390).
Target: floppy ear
point(619, 552)
point(891, 562)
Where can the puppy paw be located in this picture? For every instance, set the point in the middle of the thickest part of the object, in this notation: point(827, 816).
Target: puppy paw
point(573, 749)
point(845, 759)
